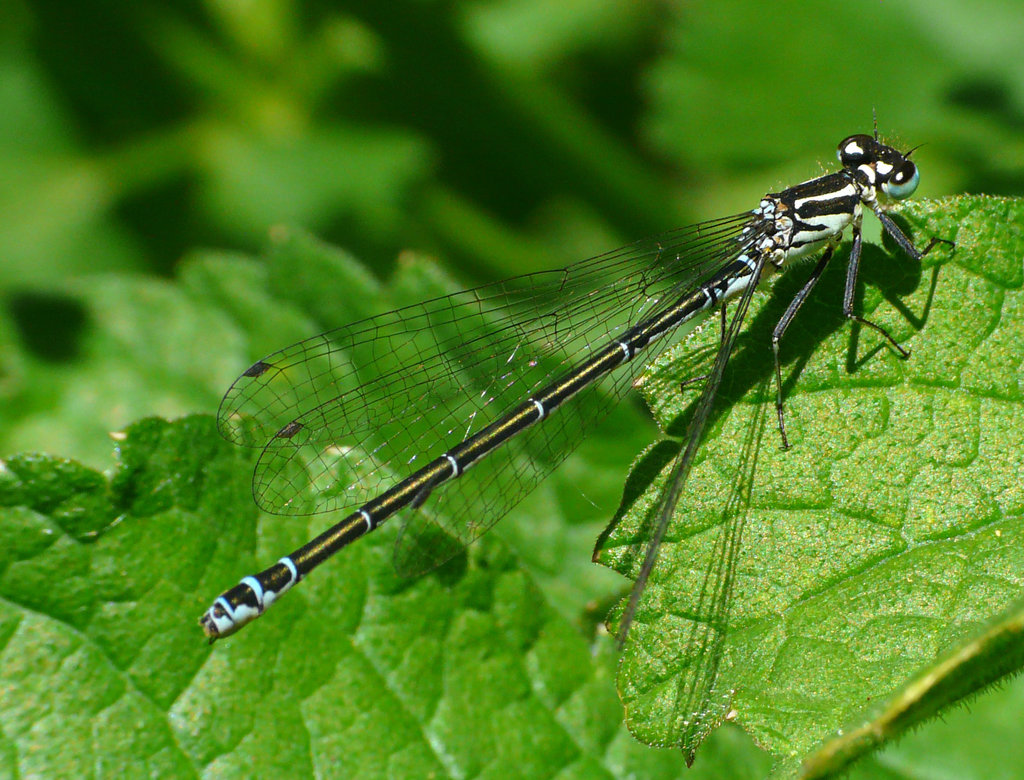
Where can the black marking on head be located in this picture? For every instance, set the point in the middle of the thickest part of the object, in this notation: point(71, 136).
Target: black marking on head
point(903, 173)
point(857, 149)
point(289, 430)
point(257, 369)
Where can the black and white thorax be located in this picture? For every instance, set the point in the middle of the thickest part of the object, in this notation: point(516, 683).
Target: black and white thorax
point(807, 216)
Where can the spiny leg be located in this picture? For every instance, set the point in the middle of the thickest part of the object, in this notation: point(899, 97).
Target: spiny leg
point(848, 294)
point(780, 329)
point(906, 245)
point(903, 239)
point(851, 284)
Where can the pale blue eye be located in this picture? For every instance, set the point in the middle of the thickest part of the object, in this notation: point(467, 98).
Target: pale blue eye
point(903, 182)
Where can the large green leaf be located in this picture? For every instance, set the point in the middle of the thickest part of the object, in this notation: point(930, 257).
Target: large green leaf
point(481, 667)
point(504, 136)
point(986, 658)
point(464, 673)
point(890, 531)
point(488, 667)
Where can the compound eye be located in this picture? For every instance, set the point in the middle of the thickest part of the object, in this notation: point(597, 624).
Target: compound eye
point(856, 150)
point(903, 181)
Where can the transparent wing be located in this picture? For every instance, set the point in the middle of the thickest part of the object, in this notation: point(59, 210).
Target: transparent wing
point(698, 703)
point(701, 702)
point(373, 401)
point(691, 444)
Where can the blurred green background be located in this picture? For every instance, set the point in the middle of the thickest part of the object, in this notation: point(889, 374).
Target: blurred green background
point(501, 137)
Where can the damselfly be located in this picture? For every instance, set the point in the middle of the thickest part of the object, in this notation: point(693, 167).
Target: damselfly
point(494, 386)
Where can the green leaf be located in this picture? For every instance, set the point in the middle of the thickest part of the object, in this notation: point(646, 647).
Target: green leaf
point(466, 672)
point(487, 667)
point(889, 533)
point(140, 346)
point(983, 660)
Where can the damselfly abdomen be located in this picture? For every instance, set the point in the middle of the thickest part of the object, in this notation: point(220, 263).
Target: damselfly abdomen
point(489, 389)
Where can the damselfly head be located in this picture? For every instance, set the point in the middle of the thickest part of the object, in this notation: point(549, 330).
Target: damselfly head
point(894, 173)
